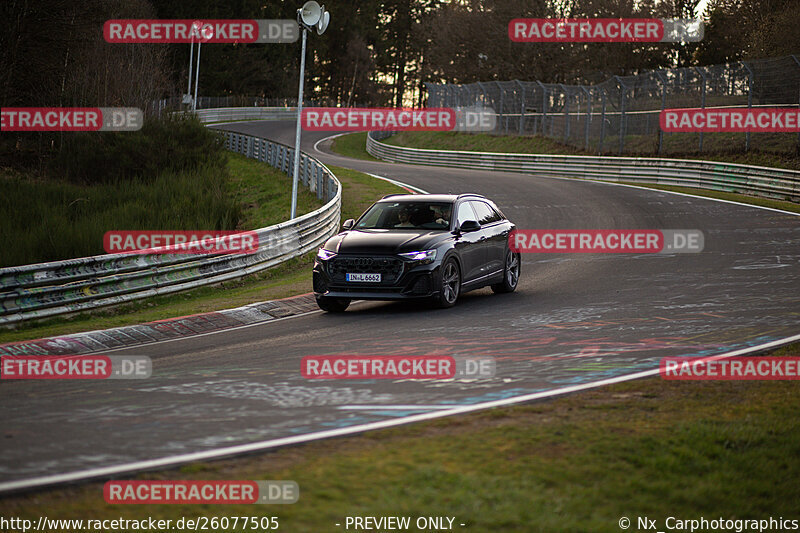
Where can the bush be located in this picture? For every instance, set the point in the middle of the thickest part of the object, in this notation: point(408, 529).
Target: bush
point(52, 220)
point(178, 143)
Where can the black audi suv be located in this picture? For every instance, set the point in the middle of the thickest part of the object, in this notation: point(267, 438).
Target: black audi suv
point(424, 246)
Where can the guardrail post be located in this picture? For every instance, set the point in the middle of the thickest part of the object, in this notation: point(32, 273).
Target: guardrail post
point(749, 103)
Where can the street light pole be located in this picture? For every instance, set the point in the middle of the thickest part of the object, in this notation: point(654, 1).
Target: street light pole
point(196, 77)
point(310, 16)
point(191, 59)
point(296, 173)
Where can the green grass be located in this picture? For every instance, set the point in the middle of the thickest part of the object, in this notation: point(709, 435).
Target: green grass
point(264, 193)
point(53, 220)
point(352, 145)
point(287, 279)
point(578, 463)
point(48, 220)
point(717, 147)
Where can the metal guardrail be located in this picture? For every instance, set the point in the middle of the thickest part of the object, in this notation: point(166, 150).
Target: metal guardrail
point(62, 287)
point(246, 113)
point(728, 177)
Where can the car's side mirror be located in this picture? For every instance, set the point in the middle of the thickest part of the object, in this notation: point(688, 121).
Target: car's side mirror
point(348, 224)
point(469, 225)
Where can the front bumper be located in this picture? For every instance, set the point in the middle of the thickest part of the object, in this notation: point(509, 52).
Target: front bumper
point(410, 281)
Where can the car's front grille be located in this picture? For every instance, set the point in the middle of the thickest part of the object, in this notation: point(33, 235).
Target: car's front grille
point(390, 268)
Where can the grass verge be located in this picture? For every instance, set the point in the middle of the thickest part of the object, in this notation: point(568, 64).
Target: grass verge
point(352, 145)
point(649, 447)
point(72, 218)
point(250, 186)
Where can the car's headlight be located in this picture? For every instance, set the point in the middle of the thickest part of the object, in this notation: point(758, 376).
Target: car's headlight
point(324, 254)
point(422, 257)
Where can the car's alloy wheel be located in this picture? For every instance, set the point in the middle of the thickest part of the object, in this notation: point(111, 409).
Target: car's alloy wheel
point(510, 274)
point(333, 305)
point(451, 284)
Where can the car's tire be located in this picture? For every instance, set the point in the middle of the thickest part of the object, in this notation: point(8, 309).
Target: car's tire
point(450, 283)
point(332, 305)
point(510, 274)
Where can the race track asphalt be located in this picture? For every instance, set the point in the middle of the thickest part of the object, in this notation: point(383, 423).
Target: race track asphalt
point(574, 319)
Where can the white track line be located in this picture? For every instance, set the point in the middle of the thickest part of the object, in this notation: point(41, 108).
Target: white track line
point(397, 407)
point(398, 183)
point(393, 182)
point(316, 144)
point(644, 187)
point(175, 460)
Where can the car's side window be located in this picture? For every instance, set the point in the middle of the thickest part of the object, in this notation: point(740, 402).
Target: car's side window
point(486, 215)
point(498, 214)
point(465, 213)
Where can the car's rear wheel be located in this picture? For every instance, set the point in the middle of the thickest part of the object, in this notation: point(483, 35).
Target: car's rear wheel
point(332, 305)
point(450, 284)
point(510, 274)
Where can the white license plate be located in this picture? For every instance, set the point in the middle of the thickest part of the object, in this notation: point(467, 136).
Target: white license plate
point(376, 278)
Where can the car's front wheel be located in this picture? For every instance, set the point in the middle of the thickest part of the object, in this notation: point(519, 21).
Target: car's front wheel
point(332, 305)
point(510, 274)
point(450, 284)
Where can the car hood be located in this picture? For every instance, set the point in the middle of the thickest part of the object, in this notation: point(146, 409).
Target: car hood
point(378, 241)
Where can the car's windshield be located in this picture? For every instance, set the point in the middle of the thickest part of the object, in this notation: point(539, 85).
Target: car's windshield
point(407, 215)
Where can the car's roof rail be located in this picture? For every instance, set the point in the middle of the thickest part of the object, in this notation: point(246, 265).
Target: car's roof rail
point(464, 195)
point(394, 194)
